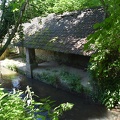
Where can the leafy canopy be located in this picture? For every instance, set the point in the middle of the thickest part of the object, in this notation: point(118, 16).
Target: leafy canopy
point(105, 63)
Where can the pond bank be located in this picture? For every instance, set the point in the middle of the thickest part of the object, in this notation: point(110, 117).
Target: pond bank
point(84, 109)
point(57, 75)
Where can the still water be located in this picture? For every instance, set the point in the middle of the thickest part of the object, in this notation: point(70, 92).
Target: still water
point(84, 108)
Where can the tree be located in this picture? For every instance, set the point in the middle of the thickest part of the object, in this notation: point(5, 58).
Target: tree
point(105, 63)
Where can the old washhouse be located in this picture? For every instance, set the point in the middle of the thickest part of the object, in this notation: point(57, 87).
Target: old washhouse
point(60, 35)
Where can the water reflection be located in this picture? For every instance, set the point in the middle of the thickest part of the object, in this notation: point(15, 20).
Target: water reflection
point(16, 82)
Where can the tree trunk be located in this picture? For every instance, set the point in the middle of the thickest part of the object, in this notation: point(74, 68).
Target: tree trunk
point(22, 10)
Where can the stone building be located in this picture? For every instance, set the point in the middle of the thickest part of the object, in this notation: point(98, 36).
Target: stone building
point(60, 37)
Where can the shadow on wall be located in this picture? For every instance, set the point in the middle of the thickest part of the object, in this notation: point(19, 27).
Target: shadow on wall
point(73, 60)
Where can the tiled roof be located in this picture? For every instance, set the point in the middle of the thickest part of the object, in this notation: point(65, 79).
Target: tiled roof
point(65, 33)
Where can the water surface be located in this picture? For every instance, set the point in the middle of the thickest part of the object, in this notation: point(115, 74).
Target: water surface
point(84, 108)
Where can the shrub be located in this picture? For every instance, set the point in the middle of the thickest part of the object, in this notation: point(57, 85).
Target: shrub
point(12, 67)
point(15, 107)
point(105, 72)
point(12, 107)
point(48, 78)
point(105, 63)
point(65, 78)
point(60, 6)
point(110, 96)
point(71, 5)
point(71, 80)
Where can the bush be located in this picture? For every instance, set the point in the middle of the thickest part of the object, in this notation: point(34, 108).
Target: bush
point(105, 71)
point(12, 107)
point(72, 5)
point(72, 81)
point(64, 78)
point(48, 78)
point(12, 67)
point(60, 6)
point(15, 107)
point(105, 62)
point(110, 96)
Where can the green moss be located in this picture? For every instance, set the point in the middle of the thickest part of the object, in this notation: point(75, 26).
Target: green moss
point(71, 80)
point(66, 79)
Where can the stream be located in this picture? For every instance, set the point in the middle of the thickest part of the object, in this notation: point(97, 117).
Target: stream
point(84, 108)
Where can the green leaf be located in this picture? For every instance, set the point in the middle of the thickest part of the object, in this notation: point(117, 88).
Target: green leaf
point(4, 95)
point(96, 26)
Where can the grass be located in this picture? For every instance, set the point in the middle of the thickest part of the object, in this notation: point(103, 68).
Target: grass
point(71, 80)
point(12, 67)
point(63, 78)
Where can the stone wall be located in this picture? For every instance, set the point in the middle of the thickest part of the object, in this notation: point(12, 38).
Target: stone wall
point(79, 61)
point(44, 55)
point(62, 58)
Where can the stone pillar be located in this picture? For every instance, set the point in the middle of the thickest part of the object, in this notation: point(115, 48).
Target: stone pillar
point(30, 62)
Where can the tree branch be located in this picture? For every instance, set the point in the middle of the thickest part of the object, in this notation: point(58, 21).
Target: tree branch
point(22, 10)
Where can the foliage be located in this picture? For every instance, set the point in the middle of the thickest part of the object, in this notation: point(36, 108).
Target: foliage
point(12, 67)
point(60, 6)
point(111, 98)
point(72, 81)
point(49, 78)
point(14, 13)
point(7, 19)
point(14, 107)
point(71, 5)
point(105, 63)
point(58, 111)
point(9, 25)
point(64, 78)
point(54, 113)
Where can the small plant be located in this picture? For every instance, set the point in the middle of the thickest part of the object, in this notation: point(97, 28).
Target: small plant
point(12, 67)
point(15, 107)
point(109, 97)
point(71, 80)
point(48, 78)
point(55, 71)
point(71, 5)
point(12, 107)
point(59, 110)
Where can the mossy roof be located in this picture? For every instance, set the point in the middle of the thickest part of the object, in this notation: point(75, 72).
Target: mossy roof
point(64, 33)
